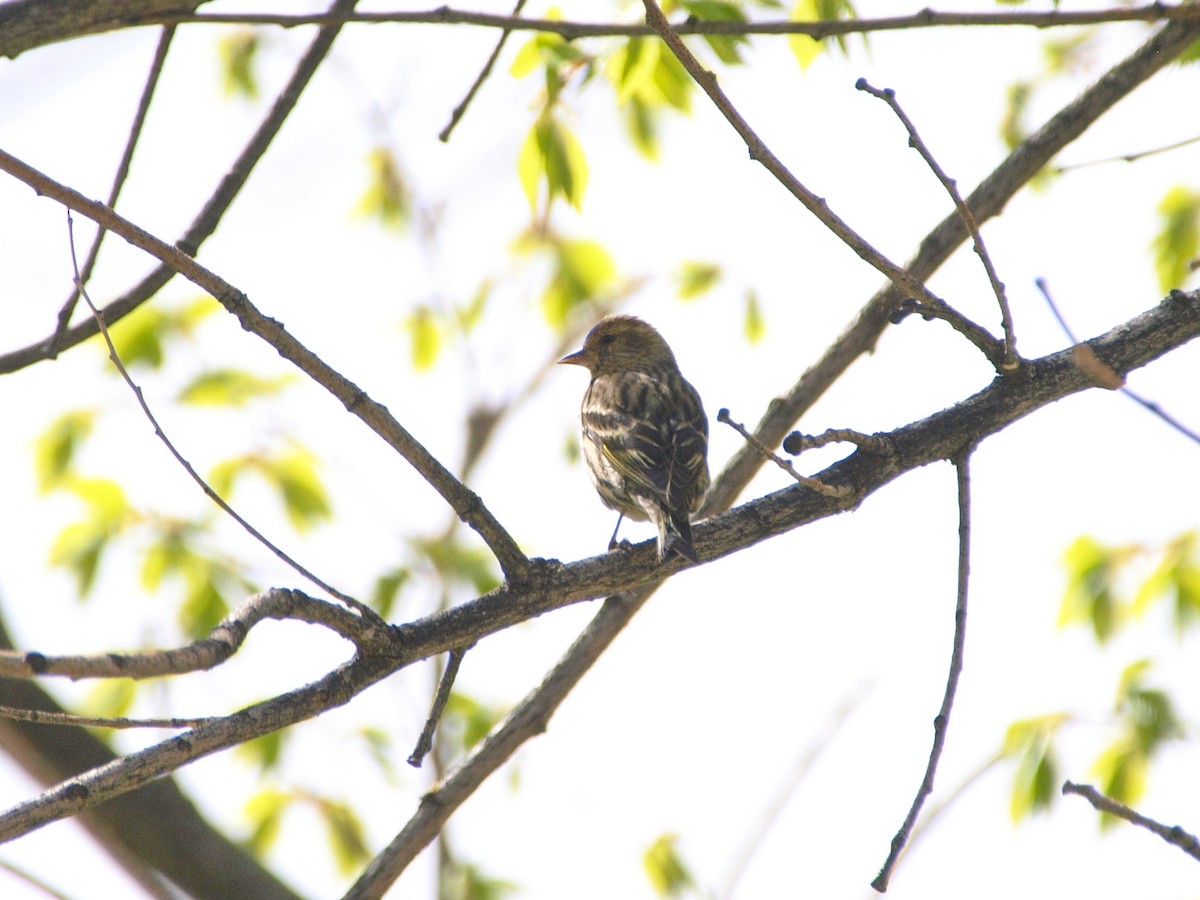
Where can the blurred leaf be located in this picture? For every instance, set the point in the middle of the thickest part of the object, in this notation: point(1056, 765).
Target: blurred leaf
point(304, 496)
point(469, 719)
point(138, 337)
point(264, 751)
point(55, 448)
point(456, 563)
point(1177, 245)
point(204, 606)
point(1064, 54)
point(110, 699)
point(387, 587)
point(265, 812)
point(196, 311)
point(346, 835)
point(807, 49)
point(230, 387)
point(1031, 743)
point(551, 153)
point(696, 278)
point(238, 51)
point(168, 554)
point(79, 546)
point(1177, 578)
point(470, 315)
point(382, 750)
point(725, 46)
point(1149, 714)
point(468, 882)
point(1089, 596)
point(1121, 771)
point(425, 332)
point(386, 197)
point(1012, 125)
point(666, 868)
point(583, 270)
point(754, 325)
point(1189, 55)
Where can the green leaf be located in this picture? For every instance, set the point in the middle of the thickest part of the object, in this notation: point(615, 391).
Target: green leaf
point(425, 335)
point(584, 269)
point(304, 497)
point(110, 699)
point(230, 387)
point(754, 326)
point(386, 197)
point(55, 448)
point(387, 587)
point(666, 869)
point(238, 51)
point(806, 49)
point(456, 563)
point(265, 811)
point(468, 882)
point(204, 606)
point(138, 337)
point(470, 315)
point(1089, 596)
point(263, 752)
point(346, 834)
point(725, 46)
point(563, 160)
point(169, 554)
point(1177, 245)
point(1121, 771)
point(696, 278)
point(1031, 742)
point(80, 545)
point(1148, 713)
point(469, 719)
point(1013, 129)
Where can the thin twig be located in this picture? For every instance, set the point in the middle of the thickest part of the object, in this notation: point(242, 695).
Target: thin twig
point(942, 723)
point(796, 443)
point(444, 134)
point(135, 132)
point(1089, 362)
point(927, 18)
point(425, 741)
point(1128, 157)
point(45, 717)
point(1172, 834)
point(829, 490)
point(216, 498)
point(888, 96)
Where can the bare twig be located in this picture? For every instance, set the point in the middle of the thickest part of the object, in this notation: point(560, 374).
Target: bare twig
point(942, 723)
point(135, 132)
point(444, 134)
point(1011, 360)
point(796, 443)
point(927, 18)
point(1172, 834)
point(829, 490)
point(1103, 375)
point(220, 644)
point(43, 717)
point(425, 741)
point(1128, 157)
point(216, 498)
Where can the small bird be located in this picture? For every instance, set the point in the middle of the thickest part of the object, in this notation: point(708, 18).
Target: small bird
point(645, 435)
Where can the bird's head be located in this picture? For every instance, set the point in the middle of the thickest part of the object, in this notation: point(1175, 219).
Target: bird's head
point(620, 344)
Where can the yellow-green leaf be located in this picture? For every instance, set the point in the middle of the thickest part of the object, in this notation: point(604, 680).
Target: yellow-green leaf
point(346, 834)
point(583, 270)
point(55, 448)
point(138, 337)
point(304, 497)
point(425, 334)
point(265, 811)
point(238, 50)
point(386, 197)
point(696, 278)
point(111, 699)
point(1177, 244)
point(754, 326)
point(666, 869)
point(230, 387)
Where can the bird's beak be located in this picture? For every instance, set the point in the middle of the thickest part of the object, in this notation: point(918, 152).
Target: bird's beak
point(578, 358)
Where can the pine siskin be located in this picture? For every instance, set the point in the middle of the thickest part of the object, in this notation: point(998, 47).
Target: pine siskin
point(645, 435)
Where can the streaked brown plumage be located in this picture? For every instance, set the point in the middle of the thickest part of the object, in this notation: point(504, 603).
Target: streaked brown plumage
point(645, 435)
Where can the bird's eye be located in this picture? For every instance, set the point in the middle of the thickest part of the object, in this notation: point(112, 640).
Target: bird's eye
point(607, 339)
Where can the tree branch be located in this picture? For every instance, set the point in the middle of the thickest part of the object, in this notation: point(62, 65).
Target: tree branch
point(1171, 834)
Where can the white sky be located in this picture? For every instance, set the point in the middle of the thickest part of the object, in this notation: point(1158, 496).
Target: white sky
point(693, 720)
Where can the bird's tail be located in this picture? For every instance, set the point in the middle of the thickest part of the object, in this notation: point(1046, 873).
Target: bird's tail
point(675, 535)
